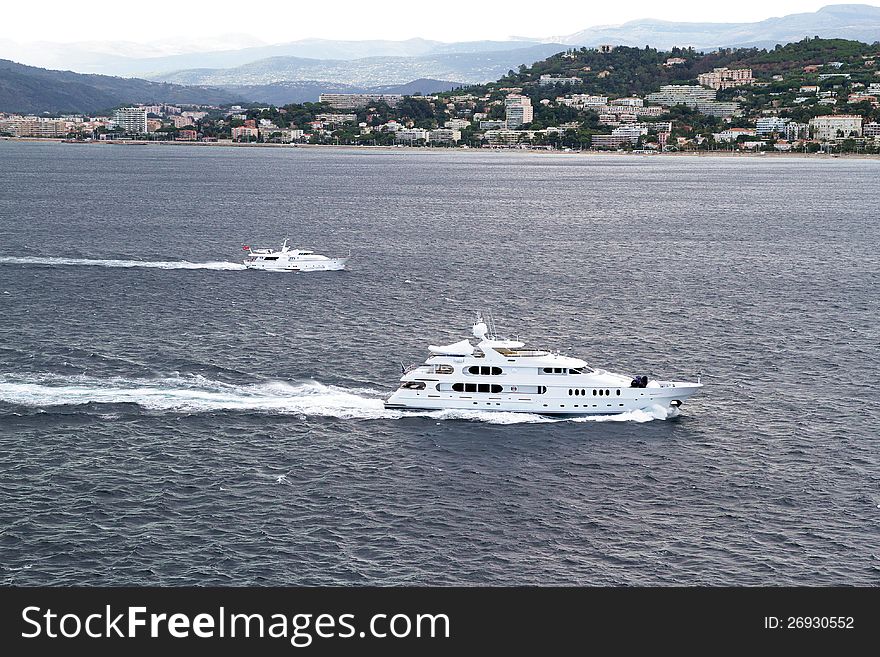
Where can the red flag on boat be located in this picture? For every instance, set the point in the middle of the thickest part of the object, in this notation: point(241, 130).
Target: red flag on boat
point(246, 247)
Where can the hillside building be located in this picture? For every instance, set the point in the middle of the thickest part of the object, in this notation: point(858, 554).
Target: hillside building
point(517, 111)
point(836, 126)
point(133, 120)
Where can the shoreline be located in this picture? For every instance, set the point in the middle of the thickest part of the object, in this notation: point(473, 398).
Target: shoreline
point(428, 149)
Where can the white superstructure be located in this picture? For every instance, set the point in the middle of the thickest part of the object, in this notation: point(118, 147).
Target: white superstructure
point(502, 375)
point(288, 259)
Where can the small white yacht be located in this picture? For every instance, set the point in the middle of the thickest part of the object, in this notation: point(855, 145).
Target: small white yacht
point(288, 259)
point(502, 375)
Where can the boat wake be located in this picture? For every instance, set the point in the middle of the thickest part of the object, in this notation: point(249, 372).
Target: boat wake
point(198, 394)
point(172, 264)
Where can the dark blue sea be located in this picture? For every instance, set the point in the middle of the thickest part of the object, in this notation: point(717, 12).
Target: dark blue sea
point(166, 423)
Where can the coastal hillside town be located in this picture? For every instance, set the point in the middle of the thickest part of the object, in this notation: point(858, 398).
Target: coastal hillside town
point(810, 96)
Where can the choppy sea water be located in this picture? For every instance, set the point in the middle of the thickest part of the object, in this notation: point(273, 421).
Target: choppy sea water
point(167, 418)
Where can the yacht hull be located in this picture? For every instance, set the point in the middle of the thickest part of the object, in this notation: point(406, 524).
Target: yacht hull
point(333, 264)
point(557, 402)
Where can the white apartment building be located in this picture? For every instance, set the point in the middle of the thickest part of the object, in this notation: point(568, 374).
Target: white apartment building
point(652, 110)
point(336, 119)
point(725, 78)
point(284, 135)
point(627, 102)
point(506, 137)
point(658, 126)
point(356, 101)
point(700, 98)
point(732, 134)
point(457, 124)
point(836, 126)
point(681, 94)
point(444, 136)
point(132, 120)
point(581, 101)
point(517, 111)
point(411, 135)
point(767, 125)
point(552, 79)
point(871, 130)
point(795, 130)
point(491, 124)
point(630, 132)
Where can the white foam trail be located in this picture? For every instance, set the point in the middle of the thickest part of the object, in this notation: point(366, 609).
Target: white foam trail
point(195, 394)
point(171, 264)
point(198, 394)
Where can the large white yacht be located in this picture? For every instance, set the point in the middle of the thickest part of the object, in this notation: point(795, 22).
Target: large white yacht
point(502, 375)
point(288, 259)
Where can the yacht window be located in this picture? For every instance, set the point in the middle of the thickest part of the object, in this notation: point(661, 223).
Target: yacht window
point(618, 392)
point(600, 393)
point(548, 370)
point(484, 370)
point(497, 388)
point(271, 258)
point(594, 392)
point(583, 392)
point(413, 385)
point(607, 392)
point(443, 369)
point(570, 393)
point(470, 387)
point(542, 390)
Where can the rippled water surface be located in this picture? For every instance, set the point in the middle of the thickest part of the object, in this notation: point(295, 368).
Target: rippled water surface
point(167, 418)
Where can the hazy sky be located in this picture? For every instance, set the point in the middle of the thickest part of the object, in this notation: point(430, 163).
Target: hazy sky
point(276, 21)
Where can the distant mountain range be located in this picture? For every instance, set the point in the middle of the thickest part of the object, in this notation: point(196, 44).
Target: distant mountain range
point(123, 58)
point(856, 22)
point(470, 67)
point(307, 91)
point(27, 89)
